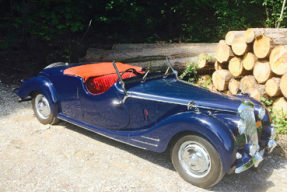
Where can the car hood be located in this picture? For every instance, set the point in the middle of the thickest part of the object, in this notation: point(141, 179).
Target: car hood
point(172, 90)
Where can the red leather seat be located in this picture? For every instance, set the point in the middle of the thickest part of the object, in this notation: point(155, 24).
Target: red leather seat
point(98, 85)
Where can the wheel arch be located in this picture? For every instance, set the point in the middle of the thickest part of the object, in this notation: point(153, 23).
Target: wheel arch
point(209, 127)
point(41, 85)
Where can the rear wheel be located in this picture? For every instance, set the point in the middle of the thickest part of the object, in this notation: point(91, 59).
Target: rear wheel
point(197, 161)
point(42, 109)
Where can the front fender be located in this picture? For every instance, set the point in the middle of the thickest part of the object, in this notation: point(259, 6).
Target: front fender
point(39, 84)
point(209, 127)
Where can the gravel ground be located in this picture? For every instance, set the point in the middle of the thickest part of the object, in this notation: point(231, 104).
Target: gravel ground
point(36, 157)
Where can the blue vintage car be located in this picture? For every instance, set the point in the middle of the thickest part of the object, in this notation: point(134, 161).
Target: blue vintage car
point(209, 134)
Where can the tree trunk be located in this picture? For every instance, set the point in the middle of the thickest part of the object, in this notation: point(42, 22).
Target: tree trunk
point(249, 61)
point(205, 60)
point(262, 46)
point(249, 35)
point(223, 52)
point(247, 82)
point(147, 51)
point(278, 60)
point(272, 87)
point(229, 37)
point(221, 78)
point(283, 85)
point(235, 66)
point(239, 46)
point(278, 36)
point(279, 106)
point(233, 86)
point(262, 71)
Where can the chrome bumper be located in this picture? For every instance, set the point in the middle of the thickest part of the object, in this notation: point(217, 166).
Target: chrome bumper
point(257, 158)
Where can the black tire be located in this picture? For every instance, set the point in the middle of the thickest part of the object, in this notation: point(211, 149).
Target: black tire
point(42, 110)
point(197, 161)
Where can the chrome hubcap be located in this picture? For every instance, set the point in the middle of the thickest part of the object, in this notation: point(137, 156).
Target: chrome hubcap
point(194, 159)
point(42, 106)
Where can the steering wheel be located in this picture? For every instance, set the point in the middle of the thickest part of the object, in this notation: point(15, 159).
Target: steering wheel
point(132, 70)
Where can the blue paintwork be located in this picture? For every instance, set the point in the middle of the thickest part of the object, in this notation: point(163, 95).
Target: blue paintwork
point(150, 115)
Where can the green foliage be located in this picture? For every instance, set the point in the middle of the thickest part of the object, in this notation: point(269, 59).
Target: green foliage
point(205, 82)
point(272, 11)
point(63, 24)
point(279, 118)
point(190, 73)
point(267, 102)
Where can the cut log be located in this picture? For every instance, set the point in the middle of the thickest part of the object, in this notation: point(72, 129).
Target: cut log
point(262, 71)
point(262, 46)
point(235, 66)
point(149, 52)
point(283, 85)
point(278, 36)
point(249, 61)
point(279, 106)
point(272, 87)
point(218, 65)
point(223, 52)
point(220, 79)
point(249, 35)
point(229, 37)
point(239, 46)
point(254, 93)
point(233, 86)
point(278, 60)
point(246, 82)
point(205, 60)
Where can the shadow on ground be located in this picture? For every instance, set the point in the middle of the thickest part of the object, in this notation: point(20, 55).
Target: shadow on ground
point(255, 179)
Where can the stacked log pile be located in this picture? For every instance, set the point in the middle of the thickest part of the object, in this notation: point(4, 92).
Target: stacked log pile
point(254, 62)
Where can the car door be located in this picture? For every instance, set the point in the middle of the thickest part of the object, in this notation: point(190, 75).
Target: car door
point(69, 98)
point(105, 110)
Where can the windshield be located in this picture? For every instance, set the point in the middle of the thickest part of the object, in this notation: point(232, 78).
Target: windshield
point(154, 70)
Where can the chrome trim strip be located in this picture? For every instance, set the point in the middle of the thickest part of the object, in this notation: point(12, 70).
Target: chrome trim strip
point(64, 119)
point(138, 97)
point(150, 138)
point(154, 145)
point(215, 109)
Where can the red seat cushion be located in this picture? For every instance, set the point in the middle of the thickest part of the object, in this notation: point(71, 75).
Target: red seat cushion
point(98, 85)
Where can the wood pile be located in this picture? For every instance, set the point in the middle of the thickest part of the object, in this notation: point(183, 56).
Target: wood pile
point(254, 62)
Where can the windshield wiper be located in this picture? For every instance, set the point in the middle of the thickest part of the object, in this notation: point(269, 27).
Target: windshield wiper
point(146, 73)
point(144, 77)
point(166, 72)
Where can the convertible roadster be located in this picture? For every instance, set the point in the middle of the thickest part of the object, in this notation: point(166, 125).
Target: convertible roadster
point(209, 133)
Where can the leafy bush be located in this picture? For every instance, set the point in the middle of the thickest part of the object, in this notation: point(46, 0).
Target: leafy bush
point(279, 118)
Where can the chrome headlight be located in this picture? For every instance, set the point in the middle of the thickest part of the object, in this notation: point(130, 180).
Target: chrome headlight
point(241, 126)
point(261, 113)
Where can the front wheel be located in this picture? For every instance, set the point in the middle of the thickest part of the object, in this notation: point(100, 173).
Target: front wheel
point(42, 109)
point(197, 161)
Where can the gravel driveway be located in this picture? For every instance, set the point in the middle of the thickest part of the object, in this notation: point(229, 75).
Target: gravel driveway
point(36, 157)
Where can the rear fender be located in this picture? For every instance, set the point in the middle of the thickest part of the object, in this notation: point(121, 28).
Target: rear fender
point(209, 127)
point(42, 85)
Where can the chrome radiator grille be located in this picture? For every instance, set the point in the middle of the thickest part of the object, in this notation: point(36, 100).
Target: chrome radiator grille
point(247, 113)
